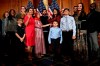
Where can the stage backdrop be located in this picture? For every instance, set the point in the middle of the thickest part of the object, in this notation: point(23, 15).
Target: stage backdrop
point(6, 5)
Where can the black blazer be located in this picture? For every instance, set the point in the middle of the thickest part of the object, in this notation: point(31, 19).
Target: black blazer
point(93, 21)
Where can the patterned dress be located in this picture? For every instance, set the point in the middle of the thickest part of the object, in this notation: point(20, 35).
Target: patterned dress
point(39, 38)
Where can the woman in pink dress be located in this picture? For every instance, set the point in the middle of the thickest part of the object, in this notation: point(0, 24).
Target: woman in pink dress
point(39, 37)
point(30, 32)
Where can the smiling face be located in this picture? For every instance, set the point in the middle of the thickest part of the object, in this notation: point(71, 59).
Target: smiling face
point(23, 9)
point(80, 7)
point(6, 14)
point(35, 11)
point(55, 11)
point(92, 7)
point(12, 12)
point(30, 11)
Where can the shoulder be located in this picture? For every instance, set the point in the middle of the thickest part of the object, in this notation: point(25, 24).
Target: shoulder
point(59, 28)
point(97, 12)
point(71, 17)
point(1, 20)
point(62, 18)
point(51, 28)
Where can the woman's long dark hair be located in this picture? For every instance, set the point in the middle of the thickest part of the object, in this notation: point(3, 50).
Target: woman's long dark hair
point(10, 15)
point(58, 13)
point(82, 15)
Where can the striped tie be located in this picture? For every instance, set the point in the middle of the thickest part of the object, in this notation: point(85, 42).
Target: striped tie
point(67, 25)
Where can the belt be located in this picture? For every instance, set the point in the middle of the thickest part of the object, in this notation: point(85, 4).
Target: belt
point(66, 30)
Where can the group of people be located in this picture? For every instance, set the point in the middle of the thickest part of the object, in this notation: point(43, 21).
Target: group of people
point(39, 34)
point(91, 25)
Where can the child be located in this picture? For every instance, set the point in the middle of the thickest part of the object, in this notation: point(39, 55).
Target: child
point(20, 35)
point(68, 27)
point(55, 38)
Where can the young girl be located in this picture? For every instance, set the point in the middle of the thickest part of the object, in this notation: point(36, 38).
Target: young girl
point(39, 37)
point(20, 35)
point(55, 38)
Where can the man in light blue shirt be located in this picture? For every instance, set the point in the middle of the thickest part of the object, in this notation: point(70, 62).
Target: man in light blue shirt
point(55, 38)
point(68, 26)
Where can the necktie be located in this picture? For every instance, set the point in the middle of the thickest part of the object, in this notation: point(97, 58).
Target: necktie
point(67, 25)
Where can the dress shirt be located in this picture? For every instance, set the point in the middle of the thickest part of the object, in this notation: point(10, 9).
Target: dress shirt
point(54, 33)
point(68, 23)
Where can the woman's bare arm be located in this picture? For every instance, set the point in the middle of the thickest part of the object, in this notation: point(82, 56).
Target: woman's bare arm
point(46, 25)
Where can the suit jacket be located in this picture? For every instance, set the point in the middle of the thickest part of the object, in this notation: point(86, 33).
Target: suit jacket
point(93, 21)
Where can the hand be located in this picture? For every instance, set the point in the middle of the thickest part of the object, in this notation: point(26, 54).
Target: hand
point(49, 43)
point(49, 17)
point(73, 37)
point(60, 42)
point(21, 39)
point(29, 16)
point(50, 24)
